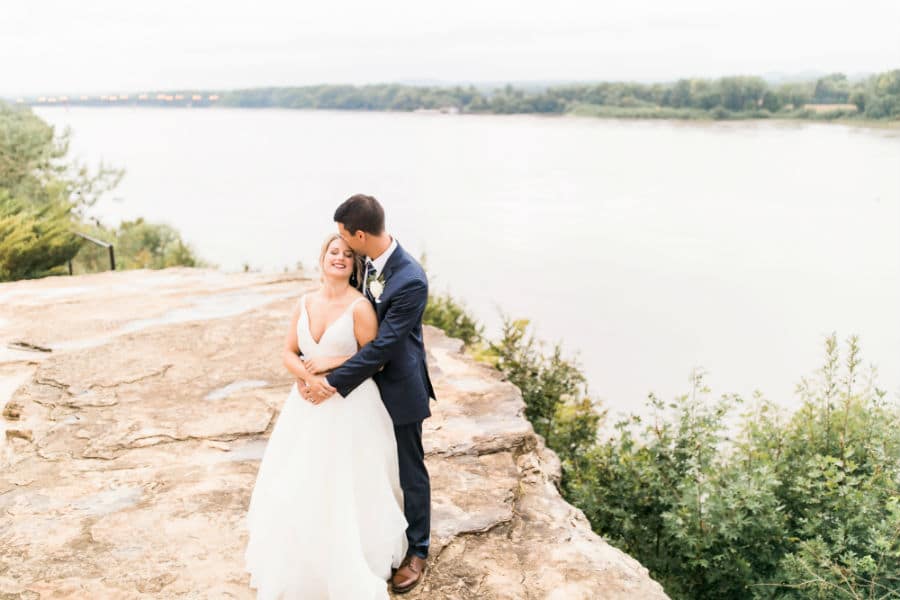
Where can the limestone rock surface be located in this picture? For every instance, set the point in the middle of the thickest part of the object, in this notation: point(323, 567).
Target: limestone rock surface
point(129, 450)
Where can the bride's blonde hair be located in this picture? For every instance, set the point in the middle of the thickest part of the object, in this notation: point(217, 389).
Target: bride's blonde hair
point(356, 273)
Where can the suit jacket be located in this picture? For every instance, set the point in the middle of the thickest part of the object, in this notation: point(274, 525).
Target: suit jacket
point(404, 382)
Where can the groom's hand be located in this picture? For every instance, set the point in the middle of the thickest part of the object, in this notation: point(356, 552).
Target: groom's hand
point(319, 390)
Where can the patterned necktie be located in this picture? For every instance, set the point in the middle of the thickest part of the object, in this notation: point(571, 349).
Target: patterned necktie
point(370, 275)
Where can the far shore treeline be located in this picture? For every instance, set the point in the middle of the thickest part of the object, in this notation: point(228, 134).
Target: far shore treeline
point(834, 96)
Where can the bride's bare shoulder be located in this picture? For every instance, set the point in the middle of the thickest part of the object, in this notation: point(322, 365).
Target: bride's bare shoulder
point(360, 308)
point(307, 296)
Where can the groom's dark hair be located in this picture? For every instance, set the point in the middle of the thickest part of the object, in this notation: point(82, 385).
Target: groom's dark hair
point(361, 212)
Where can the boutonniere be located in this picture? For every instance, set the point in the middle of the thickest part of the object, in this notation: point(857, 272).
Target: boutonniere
point(376, 286)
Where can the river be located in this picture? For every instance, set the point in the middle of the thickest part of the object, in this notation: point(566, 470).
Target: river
point(647, 248)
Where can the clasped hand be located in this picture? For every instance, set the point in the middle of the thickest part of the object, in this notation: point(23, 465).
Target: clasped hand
point(315, 389)
point(317, 365)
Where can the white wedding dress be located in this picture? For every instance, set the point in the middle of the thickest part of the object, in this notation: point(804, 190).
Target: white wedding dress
point(325, 519)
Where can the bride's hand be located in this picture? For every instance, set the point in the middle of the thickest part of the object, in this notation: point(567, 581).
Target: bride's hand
point(319, 390)
point(316, 365)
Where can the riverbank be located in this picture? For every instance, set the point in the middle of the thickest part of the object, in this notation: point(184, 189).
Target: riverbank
point(603, 113)
point(833, 96)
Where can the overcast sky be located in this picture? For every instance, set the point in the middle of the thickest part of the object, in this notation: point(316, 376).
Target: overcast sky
point(110, 45)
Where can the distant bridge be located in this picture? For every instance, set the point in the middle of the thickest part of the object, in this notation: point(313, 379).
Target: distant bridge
point(141, 99)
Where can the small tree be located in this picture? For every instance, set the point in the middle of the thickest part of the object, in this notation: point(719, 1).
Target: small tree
point(42, 196)
point(34, 241)
point(446, 312)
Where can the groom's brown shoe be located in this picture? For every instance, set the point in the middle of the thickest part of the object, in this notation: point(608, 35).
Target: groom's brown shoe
point(408, 576)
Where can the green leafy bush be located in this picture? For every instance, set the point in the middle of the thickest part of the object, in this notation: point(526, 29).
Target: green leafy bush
point(554, 388)
point(34, 241)
point(446, 312)
point(718, 503)
point(138, 245)
point(786, 506)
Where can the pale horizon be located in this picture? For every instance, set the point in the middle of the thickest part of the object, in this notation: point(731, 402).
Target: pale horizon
point(54, 47)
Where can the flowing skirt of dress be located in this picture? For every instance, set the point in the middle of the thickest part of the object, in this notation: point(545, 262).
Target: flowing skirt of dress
point(325, 519)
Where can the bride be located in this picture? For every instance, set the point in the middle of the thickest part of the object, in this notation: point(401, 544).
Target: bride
point(326, 514)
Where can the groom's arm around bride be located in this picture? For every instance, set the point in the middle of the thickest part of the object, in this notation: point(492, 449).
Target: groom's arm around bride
point(398, 347)
point(405, 312)
point(396, 358)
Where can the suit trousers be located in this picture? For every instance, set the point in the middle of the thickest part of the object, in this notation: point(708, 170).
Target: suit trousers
point(416, 487)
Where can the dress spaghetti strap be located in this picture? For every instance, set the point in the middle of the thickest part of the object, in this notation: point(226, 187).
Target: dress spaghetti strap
point(352, 304)
point(301, 302)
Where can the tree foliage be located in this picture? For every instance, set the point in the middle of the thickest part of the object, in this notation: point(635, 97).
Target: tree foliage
point(553, 387)
point(36, 206)
point(43, 199)
point(138, 245)
point(728, 97)
point(785, 506)
point(34, 240)
point(446, 312)
point(35, 169)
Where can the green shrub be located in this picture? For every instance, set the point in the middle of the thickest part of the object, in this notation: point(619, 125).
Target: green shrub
point(762, 504)
point(554, 388)
point(446, 312)
point(35, 241)
point(837, 459)
point(799, 506)
point(664, 492)
point(137, 245)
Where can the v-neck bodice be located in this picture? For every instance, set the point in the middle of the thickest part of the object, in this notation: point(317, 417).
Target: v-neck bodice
point(338, 338)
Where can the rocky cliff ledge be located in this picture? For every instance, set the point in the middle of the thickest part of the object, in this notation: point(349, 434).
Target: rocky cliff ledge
point(132, 445)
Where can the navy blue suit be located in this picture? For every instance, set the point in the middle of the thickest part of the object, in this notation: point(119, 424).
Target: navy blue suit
point(404, 382)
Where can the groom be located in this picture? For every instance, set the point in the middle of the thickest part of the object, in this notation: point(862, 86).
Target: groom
point(397, 286)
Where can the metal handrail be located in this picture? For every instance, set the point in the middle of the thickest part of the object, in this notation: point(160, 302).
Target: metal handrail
point(107, 245)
